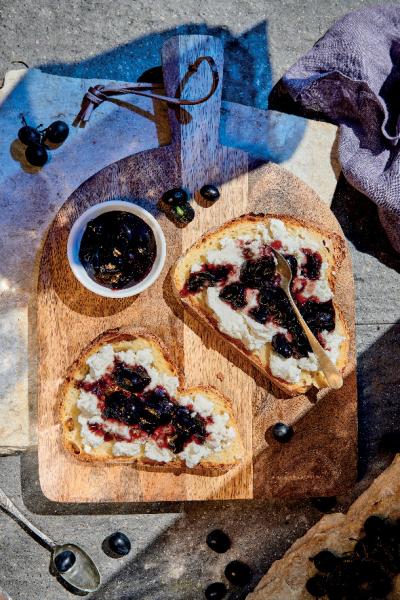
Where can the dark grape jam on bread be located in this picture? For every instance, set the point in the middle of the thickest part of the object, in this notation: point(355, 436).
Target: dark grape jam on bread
point(130, 404)
point(149, 414)
point(230, 279)
point(366, 572)
point(272, 305)
point(118, 249)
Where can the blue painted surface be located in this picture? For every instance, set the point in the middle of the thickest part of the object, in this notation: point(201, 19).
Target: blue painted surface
point(247, 72)
point(247, 81)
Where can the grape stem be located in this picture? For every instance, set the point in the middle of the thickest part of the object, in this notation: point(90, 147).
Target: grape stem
point(22, 117)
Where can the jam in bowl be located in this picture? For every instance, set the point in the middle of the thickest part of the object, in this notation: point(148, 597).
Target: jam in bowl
point(116, 249)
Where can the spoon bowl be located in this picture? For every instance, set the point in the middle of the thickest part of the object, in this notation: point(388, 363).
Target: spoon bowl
point(83, 575)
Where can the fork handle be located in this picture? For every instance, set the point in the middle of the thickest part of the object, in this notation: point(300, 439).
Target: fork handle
point(332, 375)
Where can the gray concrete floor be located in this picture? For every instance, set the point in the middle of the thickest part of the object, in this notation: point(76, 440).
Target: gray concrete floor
point(169, 560)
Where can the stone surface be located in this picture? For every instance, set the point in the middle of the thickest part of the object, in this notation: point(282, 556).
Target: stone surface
point(120, 41)
point(168, 542)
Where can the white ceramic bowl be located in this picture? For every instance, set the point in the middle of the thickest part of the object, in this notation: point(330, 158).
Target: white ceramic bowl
point(74, 242)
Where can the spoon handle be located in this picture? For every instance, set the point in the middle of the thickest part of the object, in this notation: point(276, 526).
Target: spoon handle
point(333, 377)
point(10, 508)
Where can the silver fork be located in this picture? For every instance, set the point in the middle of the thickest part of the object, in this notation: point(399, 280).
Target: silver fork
point(332, 375)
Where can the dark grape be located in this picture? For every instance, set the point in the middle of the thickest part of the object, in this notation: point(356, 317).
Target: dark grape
point(183, 213)
point(210, 192)
point(376, 527)
point(29, 135)
point(234, 294)
point(325, 561)
point(57, 132)
point(36, 155)
point(238, 573)
point(218, 541)
point(175, 197)
point(281, 345)
point(282, 432)
point(127, 409)
point(64, 561)
point(119, 543)
point(316, 586)
point(132, 379)
point(215, 591)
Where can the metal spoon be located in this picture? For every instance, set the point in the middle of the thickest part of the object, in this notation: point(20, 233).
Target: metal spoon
point(83, 575)
point(332, 375)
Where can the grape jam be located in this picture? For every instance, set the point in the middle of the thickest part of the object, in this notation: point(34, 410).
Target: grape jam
point(123, 398)
point(258, 273)
point(118, 249)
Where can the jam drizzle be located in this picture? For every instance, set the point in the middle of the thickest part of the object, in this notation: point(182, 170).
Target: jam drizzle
point(150, 414)
point(312, 267)
point(209, 275)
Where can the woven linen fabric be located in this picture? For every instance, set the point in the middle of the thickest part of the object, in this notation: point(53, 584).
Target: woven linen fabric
point(351, 77)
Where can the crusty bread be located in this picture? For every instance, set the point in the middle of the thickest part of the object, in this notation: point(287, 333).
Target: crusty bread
point(215, 463)
point(337, 532)
point(332, 250)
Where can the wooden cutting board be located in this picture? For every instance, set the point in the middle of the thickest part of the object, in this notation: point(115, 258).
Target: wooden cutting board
point(321, 457)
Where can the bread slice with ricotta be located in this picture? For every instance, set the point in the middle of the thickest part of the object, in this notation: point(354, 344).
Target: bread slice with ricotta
point(226, 279)
point(338, 533)
point(123, 401)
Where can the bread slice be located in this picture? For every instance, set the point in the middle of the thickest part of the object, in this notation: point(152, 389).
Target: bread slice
point(332, 250)
point(217, 461)
point(337, 532)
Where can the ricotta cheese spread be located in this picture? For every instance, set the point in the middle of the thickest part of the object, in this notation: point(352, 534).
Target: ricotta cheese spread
point(194, 453)
point(319, 288)
point(220, 434)
point(87, 404)
point(169, 382)
point(153, 451)
point(239, 325)
point(100, 362)
point(201, 405)
point(333, 343)
point(229, 252)
point(290, 369)
point(143, 357)
point(90, 439)
point(293, 241)
point(127, 449)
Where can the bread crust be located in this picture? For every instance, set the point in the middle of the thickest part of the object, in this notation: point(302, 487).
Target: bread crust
point(68, 411)
point(337, 532)
point(335, 253)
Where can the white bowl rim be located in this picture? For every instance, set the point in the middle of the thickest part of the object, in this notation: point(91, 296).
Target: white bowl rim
point(75, 238)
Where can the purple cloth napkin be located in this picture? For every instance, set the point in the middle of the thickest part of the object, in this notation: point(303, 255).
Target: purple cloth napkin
point(351, 77)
